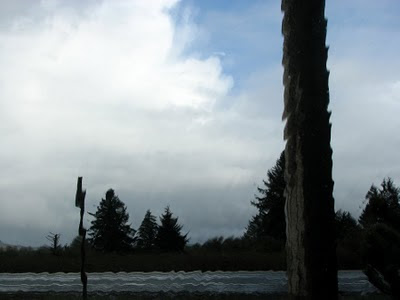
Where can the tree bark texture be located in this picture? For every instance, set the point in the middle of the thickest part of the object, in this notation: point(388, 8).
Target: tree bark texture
point(310, 246)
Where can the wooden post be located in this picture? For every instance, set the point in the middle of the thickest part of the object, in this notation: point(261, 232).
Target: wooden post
point(80, 203)
point(310, 246)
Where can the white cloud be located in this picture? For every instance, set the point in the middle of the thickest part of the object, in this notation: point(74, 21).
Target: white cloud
point(132, 99)
point(108, 93)
point(365, 140)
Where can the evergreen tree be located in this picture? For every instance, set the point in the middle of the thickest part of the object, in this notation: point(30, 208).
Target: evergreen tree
point(348, 241)
point(110, 231)
point(345, 224)
point(382, 206)
point(169, 237)
point(76, 244)
point(254, 230)
point(380, 220)
point(147, 232)
point(382, 258)
point(270, 220)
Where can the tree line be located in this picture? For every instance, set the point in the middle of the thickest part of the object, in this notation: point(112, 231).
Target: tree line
point(381, 207)
point(372, 242)
point(111, 232)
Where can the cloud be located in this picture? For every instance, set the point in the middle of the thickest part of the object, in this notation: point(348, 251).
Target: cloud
point(107, 92)
point(139, 98)
point(364, 99)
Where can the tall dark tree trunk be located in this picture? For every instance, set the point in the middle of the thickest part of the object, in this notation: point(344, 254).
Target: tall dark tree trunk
point(311, 257)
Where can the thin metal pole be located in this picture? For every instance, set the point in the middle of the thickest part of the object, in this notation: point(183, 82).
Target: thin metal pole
point(80, 202)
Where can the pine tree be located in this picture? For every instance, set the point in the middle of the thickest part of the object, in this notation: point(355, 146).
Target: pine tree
point(254, 230)
point(380, 220)
point(147, 232)
point(345, 224)
point(169, 237)
point(348, 240)
point(75, 245)
point(382, 206)
point(110, 231)
point(382, 258)
point(270, 220)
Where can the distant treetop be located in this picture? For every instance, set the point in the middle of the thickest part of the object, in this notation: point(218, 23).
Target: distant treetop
point(110, 230)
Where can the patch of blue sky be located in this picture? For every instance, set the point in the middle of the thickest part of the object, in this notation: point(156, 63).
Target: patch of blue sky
point(245, 35)
point(362, 27)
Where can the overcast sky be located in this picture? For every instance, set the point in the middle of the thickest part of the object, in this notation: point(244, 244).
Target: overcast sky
point(178, 103)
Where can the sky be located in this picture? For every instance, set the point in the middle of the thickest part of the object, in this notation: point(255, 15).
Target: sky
point(178, 103)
